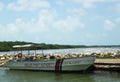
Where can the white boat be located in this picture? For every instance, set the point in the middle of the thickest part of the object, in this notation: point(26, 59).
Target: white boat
point(64, 64)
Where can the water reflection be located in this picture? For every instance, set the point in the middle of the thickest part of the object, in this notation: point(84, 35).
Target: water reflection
point(106, 76)
point(37, 76)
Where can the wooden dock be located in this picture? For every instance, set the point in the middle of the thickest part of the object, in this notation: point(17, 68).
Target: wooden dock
point(107, 64)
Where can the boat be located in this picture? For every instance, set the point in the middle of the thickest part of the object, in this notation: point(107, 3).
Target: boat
point(51, 64)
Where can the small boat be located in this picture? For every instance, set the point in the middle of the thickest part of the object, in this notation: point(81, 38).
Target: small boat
point(52, 64)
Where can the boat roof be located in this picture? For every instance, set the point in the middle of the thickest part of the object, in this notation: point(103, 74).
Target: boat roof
point(23, 46)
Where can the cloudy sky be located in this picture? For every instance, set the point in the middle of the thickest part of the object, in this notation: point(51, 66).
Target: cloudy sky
point(82, 22)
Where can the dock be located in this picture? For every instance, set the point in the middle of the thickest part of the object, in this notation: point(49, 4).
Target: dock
point(107, 64)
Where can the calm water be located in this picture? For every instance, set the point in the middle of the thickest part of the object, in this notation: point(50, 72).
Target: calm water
point(37, 76)
point(72, 50)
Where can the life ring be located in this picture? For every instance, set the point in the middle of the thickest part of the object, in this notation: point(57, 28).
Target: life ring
point(19, 55)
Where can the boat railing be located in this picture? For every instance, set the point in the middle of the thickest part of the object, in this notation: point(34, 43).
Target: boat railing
point(38, 57)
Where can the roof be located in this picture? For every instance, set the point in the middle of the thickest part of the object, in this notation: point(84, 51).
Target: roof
point(22, 46)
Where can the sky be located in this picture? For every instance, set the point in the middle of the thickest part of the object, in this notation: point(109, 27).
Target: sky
point(72, 22)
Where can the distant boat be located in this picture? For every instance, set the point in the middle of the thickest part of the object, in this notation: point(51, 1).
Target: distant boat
point(64, 64)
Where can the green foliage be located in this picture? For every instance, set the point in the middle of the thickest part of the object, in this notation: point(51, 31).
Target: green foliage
point(7, 45)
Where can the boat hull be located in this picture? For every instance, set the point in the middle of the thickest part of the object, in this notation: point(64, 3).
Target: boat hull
point(70, 64)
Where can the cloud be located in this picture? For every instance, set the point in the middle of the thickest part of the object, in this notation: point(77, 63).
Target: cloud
point(44, 23)
point(8, 32)
point(117, 20)
point(88, 5)
point(82, 1)
point(109, 25)
point(22, 30)
point(22, 5)
point(50, 19)
point(77, 11)
point(11, 28)
point(117, 8)
point(60, 3)
point(91, 3)
point(1, 5)
point(69, 24)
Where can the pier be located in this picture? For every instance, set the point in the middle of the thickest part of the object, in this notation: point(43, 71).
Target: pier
point(107, 64)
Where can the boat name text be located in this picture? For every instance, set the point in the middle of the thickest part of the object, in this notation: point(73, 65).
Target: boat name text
point(39, 64)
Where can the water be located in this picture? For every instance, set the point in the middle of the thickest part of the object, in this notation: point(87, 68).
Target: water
point(37, 76)
point(72, 50)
